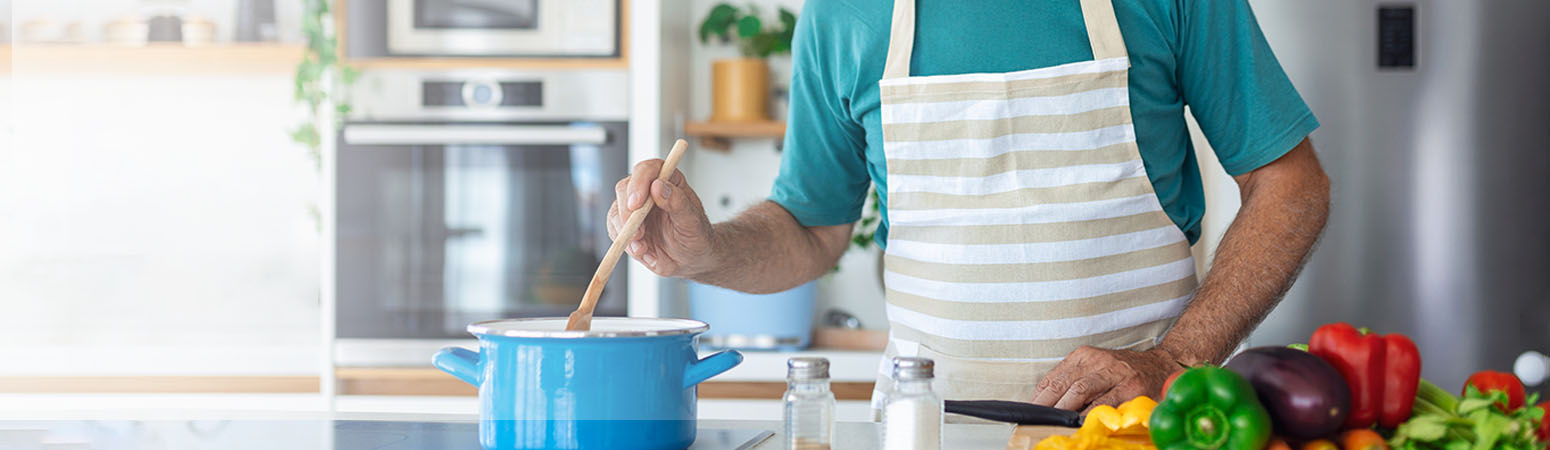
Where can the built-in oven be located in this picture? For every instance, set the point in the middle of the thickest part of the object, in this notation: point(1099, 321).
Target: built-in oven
point(563, 28)
point(468, 196)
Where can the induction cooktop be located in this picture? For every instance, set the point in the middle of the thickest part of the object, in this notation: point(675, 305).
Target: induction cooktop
point(268, 434)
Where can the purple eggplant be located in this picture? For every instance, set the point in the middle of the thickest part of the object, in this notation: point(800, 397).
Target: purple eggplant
point(1306, 397)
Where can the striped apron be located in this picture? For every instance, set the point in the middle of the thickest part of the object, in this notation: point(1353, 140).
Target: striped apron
point(1022, 224)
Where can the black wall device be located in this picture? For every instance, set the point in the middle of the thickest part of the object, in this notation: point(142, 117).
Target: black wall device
point(1396, 37)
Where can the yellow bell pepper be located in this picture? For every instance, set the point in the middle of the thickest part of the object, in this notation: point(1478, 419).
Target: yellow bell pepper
point(1109, 428)
point(1135, 415)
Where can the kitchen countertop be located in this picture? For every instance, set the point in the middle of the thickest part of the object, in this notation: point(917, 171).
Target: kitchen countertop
point(863, 435)
point(324, 431)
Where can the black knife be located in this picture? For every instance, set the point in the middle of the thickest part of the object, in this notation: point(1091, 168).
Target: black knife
point(1015, 412)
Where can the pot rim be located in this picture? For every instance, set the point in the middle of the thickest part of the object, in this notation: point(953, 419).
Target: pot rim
point(683, 326)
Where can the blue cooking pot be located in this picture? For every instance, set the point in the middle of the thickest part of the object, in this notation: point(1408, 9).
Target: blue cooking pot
point(629, 383)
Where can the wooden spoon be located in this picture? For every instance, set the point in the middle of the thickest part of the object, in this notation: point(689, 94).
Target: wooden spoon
point(581, 320)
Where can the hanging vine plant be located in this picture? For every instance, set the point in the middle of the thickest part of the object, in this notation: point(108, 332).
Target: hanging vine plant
point(320, 79)
point(864, 235)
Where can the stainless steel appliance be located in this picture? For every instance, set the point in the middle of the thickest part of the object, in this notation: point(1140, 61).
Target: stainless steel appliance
point(501, 27)
point(255, 21)
point(473, 195)
point(1436, 123)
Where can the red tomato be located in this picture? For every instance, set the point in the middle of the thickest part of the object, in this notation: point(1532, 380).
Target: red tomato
point(1490, 380)
point(1169, 382)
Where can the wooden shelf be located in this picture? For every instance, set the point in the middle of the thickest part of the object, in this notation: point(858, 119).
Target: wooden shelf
point(400, 381)
point(255, 384)
point(432, 382)
point(848, 339)
point(154, 58)
point(718, 135)
point(352, 381)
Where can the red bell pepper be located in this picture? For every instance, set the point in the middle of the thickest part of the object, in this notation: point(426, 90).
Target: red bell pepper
point(1402, 373)
point(1490, 380)
point(1359, 359)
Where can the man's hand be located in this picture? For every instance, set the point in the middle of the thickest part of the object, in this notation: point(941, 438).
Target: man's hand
point(1285, 206)
point(763, 250)
point(1092, 376)
point(675, 240)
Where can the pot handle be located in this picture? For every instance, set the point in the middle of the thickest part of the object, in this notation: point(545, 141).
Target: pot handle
point(711, 366)
point(460, 362)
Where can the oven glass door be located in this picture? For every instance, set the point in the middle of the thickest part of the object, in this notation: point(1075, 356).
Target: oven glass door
point(476, 14)
point(508, 222)
point(523, 28)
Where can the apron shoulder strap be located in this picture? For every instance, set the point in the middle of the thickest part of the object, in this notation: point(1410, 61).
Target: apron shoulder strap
point(901, 40)
point(1102, 32)
point(1102, 29)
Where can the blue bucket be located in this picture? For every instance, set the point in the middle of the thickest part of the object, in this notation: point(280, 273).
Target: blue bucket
point(629, 383)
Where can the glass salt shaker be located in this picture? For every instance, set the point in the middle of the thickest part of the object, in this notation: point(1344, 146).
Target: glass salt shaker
point(912, 413)
point(809, 404)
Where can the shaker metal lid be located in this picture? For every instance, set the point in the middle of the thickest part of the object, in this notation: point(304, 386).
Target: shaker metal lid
point(602, 327)
point(912, 368)
point(807, 368)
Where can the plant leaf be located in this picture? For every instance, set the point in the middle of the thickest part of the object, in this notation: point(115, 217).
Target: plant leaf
point(717, 21)
point(1487, 431)
point(306, 134)
point(760, 43)
point(347, 74)
point(748, 26)
point(788, 21)
point(1423, 428)
point(1472, 404)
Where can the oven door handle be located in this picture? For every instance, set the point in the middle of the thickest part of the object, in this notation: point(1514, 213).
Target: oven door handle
point(369, 134)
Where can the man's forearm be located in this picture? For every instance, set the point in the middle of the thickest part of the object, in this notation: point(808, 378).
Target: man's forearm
point(764, 249)
point(1283, 212)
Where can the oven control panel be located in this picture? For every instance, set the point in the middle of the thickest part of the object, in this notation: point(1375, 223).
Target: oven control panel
point(490, 95)
point(482, 93)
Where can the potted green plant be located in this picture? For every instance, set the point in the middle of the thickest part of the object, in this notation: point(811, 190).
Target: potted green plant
point(740, 86)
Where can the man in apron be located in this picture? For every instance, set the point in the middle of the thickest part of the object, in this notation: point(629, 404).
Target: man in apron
point(1038, 186)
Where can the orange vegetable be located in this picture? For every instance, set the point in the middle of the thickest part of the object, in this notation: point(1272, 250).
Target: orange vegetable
point(1130, 418)
point(1319, 444)
point(1362, 439)
point(1109, 428)
point(1278, 444)
point(1135, 416)
point(1103, 416)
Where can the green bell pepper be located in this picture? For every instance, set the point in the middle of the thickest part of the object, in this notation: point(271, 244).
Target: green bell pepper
point(1210, 408)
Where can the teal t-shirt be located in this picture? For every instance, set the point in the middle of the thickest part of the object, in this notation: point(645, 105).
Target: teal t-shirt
point(1208, 54)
